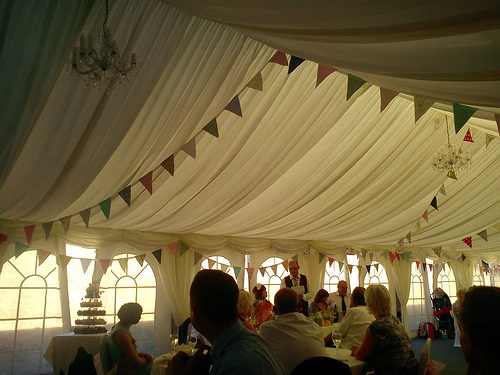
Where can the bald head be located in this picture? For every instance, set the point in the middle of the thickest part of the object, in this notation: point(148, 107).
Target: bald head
point(286, 300)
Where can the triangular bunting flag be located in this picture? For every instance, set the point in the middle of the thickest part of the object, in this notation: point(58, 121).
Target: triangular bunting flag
point(106, 206)
point(168, 164)
point(279, 58)
point(392, 256)
point(140, 259)
point(434, 203)
point(497, 119)
point(489, 138)
point(417, 227)
point(341, 265)
point(468, 241)
point(407, 255)
point(353, 84)
point(285, 264)
point(397, 255)
point(442, 190)
point(386, 97)
point(3, 238)
point(323, 72)
point(42, 256)
point(47, 227)
point(211, 128)
point(65, 221)
point(197, 257)
point(224, 267)
point(386, 252)
point(62, 261)
point(484, 235)
point(468, 137)
point(294, 63)
point(451, 174)
point(321, 257)
point(368, 267)
point(234, 106)
point(211, 263)
point(147, 181)
point(237, 271)
point(463, 257)
point(401, 244)
point(408, 237)
point(349, 266)
point(157, 254)
point(85, 214)
point(256, 82)
point(421, 106)
point(190, 148)
point(250, 273)
point(85, 264)
point(262, 271)
point(125, 194)
point(376, 266)
point(105, 264)
point(28, 231)
point(425, 215)
point(330, 261)
point(275, 269)
point(462, 114)
point(418, 264)
point(184, 248)
point(295, 258)
point(173, 248)
point(430, 267)
point(123, 262)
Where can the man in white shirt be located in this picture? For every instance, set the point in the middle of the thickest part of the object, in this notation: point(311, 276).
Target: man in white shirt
point(300, 284)
point(340, 298)
point(293, 337)
point(353, 327)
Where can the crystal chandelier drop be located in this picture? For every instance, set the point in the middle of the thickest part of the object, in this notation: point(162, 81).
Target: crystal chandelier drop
point(451, 160)
point(103, 66)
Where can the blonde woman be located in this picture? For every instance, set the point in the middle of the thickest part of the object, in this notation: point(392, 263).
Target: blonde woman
point(386, 343)
point(245, 306)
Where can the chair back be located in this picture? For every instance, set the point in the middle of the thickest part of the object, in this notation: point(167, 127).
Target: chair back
point(424, 357)
point(104, 352)
point(325, 365)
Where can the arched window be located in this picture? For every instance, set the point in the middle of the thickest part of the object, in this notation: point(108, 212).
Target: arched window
point(416, 301)
point(334, 272)
point(129, 281)
point(30, 313)
point(376, 275)
point(446, 281)
point(478, 275)
point(218, 263)
point(270, 274)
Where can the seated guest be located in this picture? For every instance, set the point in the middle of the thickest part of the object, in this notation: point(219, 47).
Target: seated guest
point(457, 306)
point(353, 327)
point(235, 349)
point(386, 343)
point(480, 329)
point(245, 306)
point(293, 337)
point(340, 300)
point(122, 349)
point(319, 303)
point(262, 308)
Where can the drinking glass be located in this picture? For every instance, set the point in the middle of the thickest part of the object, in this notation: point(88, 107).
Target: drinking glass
point(192, 341)
point(337, 344)
point(174, 339)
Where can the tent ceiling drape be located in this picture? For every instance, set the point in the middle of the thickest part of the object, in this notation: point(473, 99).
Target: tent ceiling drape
point(302, 166)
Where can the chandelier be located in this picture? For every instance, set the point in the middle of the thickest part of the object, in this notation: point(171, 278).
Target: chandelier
point(104, 65)
point(451, 160)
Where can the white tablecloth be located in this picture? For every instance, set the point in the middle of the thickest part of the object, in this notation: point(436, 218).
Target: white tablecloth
point(344, 355)
point(62, 349)
point(328, 329)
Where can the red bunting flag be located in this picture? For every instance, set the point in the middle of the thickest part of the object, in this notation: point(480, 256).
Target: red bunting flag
point(418, 264)
point(397, 256)
point(330, 261)
point(279, 58)
point(468, 241)
point(28, 230)
point(408, 237)
point(392, 256)
point(425, 215)
point(250, 273)
point(173, 248)
point(147, 181)
point(85, 214)
point(386, 97)
point(3, 238)
point(105, 264)
point(468, 137)
point(430, 267)
point(323, 72)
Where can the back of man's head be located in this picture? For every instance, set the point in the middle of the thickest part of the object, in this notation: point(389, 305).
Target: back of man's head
point(358, 296)
point(215, 294)
point(286, 301)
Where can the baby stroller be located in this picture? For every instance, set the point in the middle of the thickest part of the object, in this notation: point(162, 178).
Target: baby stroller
point(443, 321)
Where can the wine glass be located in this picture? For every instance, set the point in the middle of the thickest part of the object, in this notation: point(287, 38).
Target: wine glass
point(337, 344)
point(174, 339)
point(192, 341)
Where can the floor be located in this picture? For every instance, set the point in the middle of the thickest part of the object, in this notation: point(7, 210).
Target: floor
point(442, 350)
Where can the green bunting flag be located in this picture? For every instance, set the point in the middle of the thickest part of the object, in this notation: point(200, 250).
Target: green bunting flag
point(256, 82)
point(236, 271)
point(183, 248)
point(20, 248)
point(353, 84)
point(106, 206)
point(321, 257)
point(211, 128)
point(126, 196)
point(462, 114)
point(341, 264)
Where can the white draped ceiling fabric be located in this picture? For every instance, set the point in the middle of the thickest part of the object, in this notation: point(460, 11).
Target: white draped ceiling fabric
point(302, 168)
